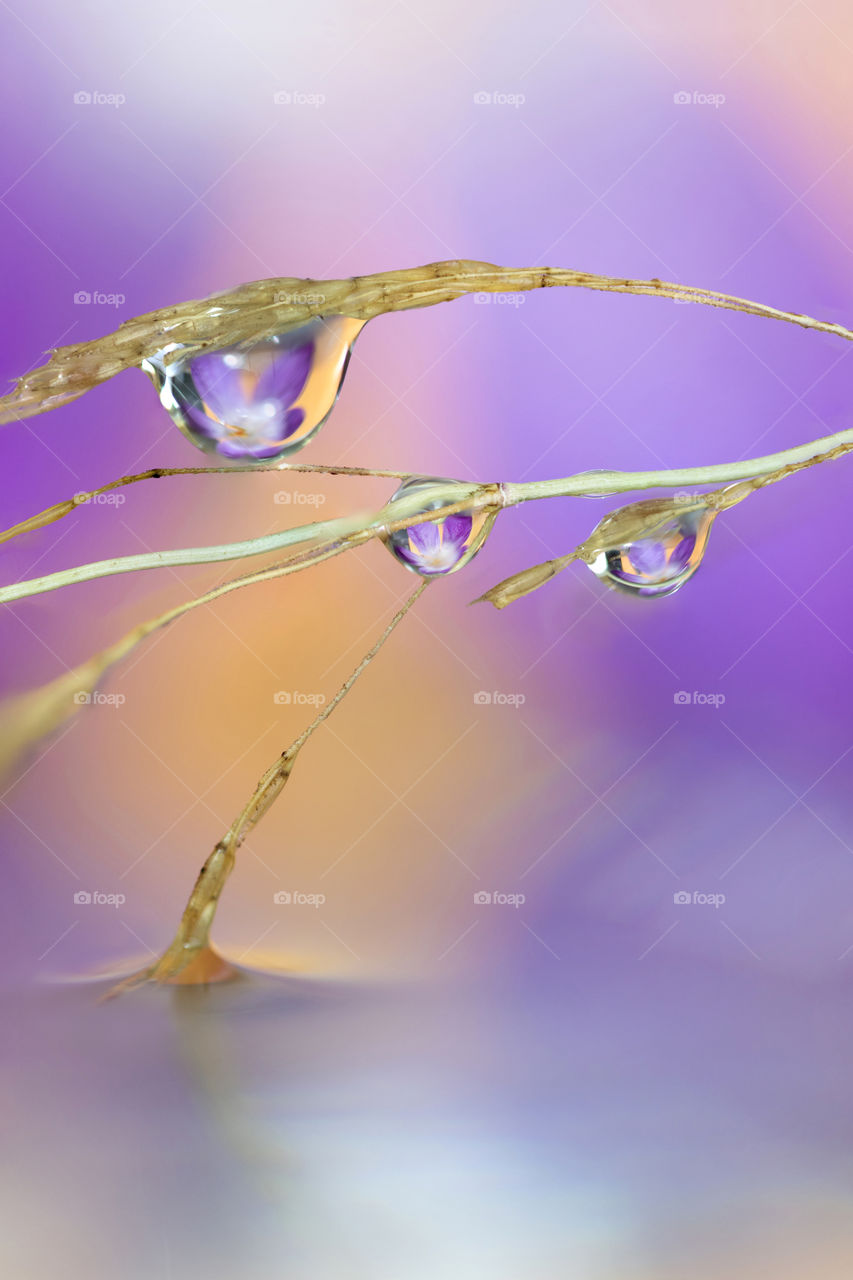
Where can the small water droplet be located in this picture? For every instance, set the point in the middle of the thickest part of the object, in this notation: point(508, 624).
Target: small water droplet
point(599, 493)
point(663, 559)
point(437, 547)
point(266, 400)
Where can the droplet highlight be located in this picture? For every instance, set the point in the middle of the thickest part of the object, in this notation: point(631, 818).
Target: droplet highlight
point(663, 559)
point(434, 548)
point(261, 401)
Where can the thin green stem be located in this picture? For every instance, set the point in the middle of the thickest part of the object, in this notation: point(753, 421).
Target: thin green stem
point(611, 482)
point(60, 509)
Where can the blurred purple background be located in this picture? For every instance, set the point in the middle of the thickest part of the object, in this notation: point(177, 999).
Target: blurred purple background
point(601, 1082)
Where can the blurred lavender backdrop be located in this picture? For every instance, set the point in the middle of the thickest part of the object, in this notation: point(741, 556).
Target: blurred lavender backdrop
point(601, 1082)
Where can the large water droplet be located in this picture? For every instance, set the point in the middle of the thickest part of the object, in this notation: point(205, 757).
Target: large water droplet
point(662, 559)
point(436, 547)
point(262, 401)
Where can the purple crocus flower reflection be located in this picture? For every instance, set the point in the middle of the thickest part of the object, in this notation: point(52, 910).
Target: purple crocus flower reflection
point(657, 560)
point(662, 561)
point(436, 546)
point(246, 398)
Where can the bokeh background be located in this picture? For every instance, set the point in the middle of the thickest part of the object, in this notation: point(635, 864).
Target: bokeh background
point(600, 1082)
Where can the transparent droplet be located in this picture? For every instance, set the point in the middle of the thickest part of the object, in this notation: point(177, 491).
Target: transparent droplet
point(436, 547)
point(262, 401)
point(599, 493)
point(662, 560)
